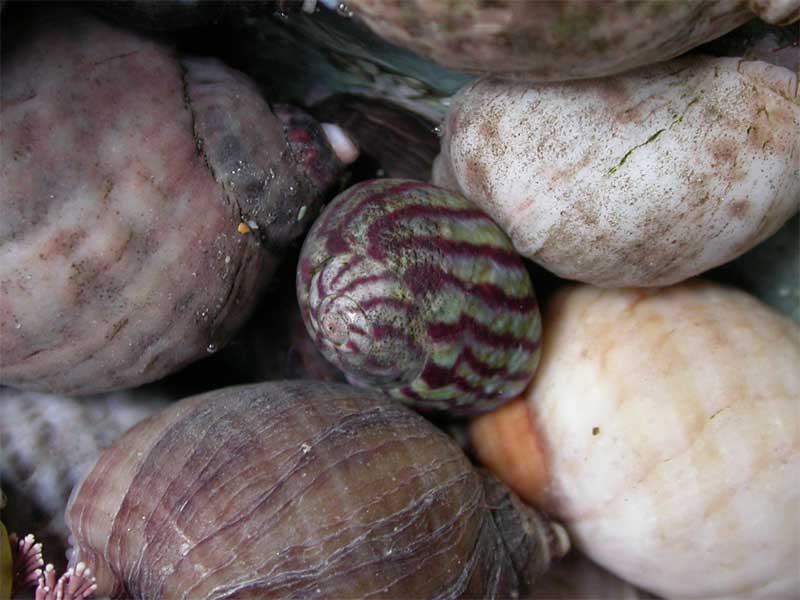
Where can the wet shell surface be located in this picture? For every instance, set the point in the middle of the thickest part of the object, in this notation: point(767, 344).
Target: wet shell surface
point(663, 428)
point(145, 203)
point(301, 490)
point(412, 289)
point(642, 179)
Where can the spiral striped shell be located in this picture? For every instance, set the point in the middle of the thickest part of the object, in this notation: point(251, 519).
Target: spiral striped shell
point(410, 288)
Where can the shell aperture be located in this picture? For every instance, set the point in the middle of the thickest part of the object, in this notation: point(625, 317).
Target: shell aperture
point(412, 289)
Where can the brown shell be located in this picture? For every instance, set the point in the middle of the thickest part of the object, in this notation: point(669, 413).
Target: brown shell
point(298, 490)
point(48, 443)
point(542, 40)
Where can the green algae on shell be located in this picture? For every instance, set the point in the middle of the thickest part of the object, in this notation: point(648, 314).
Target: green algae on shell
point(307, 58)
point(541, 40)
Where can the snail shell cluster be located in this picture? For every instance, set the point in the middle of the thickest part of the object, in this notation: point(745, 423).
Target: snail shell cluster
point(301, 490)
point(412, 289)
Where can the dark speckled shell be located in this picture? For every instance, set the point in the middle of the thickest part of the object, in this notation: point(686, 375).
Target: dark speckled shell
point(292, 490)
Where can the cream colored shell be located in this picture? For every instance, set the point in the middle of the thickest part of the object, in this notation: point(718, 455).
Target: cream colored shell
point(671, 426)
point(640, 179)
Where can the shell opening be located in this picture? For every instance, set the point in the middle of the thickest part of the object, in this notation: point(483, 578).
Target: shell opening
point(344, 147)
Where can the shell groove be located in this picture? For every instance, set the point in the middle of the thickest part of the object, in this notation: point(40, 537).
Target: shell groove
point(410, 288)
point(297, 490)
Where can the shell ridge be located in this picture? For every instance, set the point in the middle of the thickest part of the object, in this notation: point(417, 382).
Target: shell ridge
point(136, 570)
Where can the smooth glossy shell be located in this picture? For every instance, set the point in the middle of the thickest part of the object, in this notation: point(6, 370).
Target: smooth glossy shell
point(541, 40)
point(412, 289)
point(666, 427)
point(295, 490)
point(642, 179)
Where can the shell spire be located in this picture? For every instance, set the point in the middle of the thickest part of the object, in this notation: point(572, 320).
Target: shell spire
point(413, 290)
point(532, 541)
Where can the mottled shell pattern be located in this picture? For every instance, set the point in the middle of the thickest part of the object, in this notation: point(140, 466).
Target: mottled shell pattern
point(542, 40)
point(410, 288)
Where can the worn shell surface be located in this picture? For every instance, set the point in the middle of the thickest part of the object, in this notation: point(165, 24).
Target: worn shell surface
point(300, 490)
point(47, 444)
point(540, 40)
point(410, 288)
point(642, 179)
point(127, 176)
point(663, 427)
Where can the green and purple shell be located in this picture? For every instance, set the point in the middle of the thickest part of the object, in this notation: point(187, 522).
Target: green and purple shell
point(412, 289)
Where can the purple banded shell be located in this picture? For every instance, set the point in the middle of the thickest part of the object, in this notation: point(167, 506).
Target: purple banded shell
point(411, 289)
point(301, 490)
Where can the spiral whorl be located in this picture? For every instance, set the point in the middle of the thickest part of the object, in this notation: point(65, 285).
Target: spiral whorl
point(412, 289)
point(364, 321)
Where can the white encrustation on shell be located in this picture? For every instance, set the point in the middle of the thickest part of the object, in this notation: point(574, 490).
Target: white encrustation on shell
point(48, 443)
point(641, 179)
point(670, 425)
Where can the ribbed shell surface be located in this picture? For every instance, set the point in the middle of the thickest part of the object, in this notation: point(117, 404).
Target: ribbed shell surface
point(47, 444)
point(288, 490)
point(414, 290)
